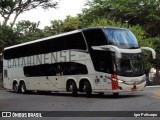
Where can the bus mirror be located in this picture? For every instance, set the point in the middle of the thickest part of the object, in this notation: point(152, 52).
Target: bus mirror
point(150, 49)
point(109, 48)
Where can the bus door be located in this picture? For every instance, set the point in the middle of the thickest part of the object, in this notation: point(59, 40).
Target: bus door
point(58, 79)
point(106, 83)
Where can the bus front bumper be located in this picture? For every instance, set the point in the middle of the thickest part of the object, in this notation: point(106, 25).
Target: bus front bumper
point(130, 87)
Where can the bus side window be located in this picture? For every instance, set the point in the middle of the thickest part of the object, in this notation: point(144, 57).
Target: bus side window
point(58, 69)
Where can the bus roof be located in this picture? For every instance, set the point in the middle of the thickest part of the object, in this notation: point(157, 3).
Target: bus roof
point(60, 35)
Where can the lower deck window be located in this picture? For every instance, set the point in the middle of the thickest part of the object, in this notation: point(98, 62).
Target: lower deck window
point(67, 68)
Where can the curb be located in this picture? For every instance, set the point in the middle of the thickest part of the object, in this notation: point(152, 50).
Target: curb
point(156, 86)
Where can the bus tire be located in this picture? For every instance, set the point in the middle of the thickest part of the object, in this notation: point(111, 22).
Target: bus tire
point(16, 88)
point(73, 88)
point(88, 89)
point(23, 88)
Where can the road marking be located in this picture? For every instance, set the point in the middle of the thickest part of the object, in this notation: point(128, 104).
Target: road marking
point(157, 93)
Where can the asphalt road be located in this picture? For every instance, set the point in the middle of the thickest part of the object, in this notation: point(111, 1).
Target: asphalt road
point(148, 100)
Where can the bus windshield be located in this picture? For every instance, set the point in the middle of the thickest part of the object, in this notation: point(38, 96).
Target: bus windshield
point(122, 38)
point(130, 65)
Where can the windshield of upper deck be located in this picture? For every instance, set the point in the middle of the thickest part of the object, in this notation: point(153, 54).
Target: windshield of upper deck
point(122, 38)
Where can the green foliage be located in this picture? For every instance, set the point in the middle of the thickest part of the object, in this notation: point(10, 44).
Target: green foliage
point(156, 45)
point(23, 32)
point(59, 26)
point(148, 61)
point(71, 23)
point(28, 31)
point(145, 13)
point(8, 37)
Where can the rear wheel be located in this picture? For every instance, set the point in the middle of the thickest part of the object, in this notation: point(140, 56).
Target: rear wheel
point(16, 88)
point(73, 88)
point(88, 89)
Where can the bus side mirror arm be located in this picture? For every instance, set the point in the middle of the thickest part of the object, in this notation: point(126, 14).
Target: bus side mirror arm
point(109, 48)
point(150, 49)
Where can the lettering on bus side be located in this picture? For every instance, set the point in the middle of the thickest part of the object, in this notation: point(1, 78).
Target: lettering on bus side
point(62, 56)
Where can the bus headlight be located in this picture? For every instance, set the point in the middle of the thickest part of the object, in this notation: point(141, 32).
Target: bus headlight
point(121, 81)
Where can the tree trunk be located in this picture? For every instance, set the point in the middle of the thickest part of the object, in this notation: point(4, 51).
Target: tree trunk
point(5, 20)
point(15, 18)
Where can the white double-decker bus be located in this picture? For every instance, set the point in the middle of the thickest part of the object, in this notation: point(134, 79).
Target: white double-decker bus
point(99, 60)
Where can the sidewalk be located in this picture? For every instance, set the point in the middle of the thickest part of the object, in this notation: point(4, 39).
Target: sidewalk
point(153, 86)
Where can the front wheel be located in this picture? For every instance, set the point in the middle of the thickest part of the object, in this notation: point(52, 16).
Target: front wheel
point(88, 89)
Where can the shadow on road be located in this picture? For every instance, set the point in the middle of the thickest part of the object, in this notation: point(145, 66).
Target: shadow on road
point(81, 95)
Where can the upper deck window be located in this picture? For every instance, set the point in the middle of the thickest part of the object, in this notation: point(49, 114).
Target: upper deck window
point(122, 38)
point(67, 42)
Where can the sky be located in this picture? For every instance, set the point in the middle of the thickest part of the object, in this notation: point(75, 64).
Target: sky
point(65, 8)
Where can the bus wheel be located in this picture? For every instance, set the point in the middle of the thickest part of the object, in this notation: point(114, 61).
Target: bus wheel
point(115, 94)
point(73, 88)
point(88, 89)
point(23, 88)
point(16, 87)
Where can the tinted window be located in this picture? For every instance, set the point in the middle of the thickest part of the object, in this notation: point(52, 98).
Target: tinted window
point(68, 68)
point(39, 70)
point(72, 68)
point(95, 37)
point(102, 61)
point(73, 41)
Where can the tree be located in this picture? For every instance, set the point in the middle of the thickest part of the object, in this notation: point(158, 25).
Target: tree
point(28, 31)
point(71, 23)
point(61, 26)
point(16, 7)
point(145, 13)
point(8, 37)
point(156, 44)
